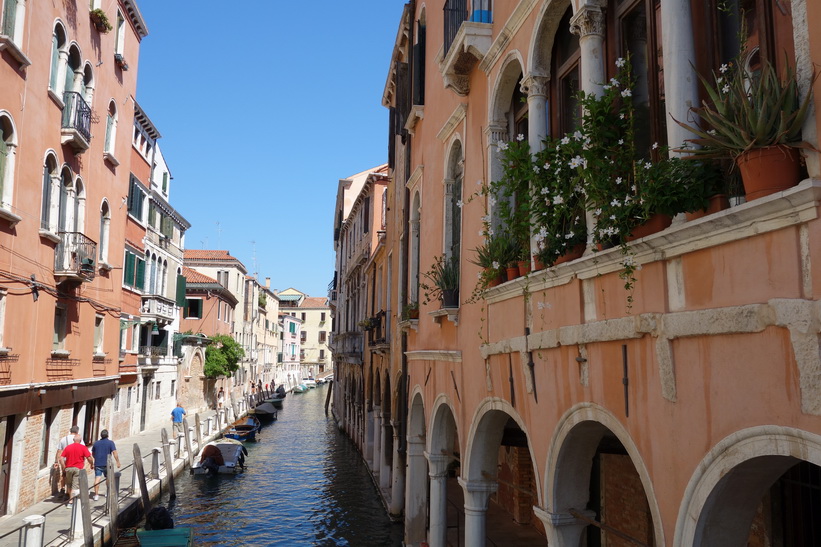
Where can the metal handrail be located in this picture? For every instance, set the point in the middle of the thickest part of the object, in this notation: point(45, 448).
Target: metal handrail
point(456, 13)
point(77, 114)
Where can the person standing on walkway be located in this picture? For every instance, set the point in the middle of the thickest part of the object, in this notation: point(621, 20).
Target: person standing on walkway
point(75, 456)
point(100, 452)
point(220, 398)
point(176, 419)
point(58, 459)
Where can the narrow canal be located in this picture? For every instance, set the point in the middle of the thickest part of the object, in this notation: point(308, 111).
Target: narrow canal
point(304, 484)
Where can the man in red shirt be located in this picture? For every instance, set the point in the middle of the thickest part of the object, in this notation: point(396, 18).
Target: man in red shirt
point(75, 455)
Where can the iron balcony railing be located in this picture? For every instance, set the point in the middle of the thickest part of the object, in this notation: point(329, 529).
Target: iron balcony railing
point(75, 256)
point(77, 114)
point(456, 13)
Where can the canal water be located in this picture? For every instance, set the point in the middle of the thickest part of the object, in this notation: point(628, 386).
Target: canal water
point(304, 484)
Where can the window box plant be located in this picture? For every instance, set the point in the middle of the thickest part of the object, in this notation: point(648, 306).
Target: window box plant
point(752, 117)
point(120, 61)
point(443, 282)
point(411, 310)
point(494, 256)
point(100, 20)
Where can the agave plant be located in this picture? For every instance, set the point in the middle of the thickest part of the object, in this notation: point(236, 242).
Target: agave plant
point(747, 110)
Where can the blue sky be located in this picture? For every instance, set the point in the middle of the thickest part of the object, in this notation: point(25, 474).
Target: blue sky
point(262, 109)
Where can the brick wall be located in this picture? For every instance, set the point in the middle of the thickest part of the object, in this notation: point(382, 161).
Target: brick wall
point(516, 491)
point(624, 503)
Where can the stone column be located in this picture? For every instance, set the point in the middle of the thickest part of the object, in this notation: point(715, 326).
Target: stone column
point(384, 467)
point(377, 442)
point(680, 80)
point(438, 473)
point(588, 24)
point(397, 504)
point(60, 79)
point(369, 435)
point(416, 494)
point(535, 87)
point(477, 494)
point(563, 528)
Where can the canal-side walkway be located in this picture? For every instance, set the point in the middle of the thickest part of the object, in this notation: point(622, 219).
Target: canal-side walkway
point(56, 528)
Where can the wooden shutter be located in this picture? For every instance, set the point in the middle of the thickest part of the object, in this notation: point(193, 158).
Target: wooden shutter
point(109, 127)
point(4, 154)
point(44, 218)
point(55, 58)
point(128, 269)
point(419, 67)
point(180, 290)
point(9, 16)
point(139, 275)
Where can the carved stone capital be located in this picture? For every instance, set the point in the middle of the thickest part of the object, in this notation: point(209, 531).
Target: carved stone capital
point(589, 20)
point(533, 85)
point(496, 133)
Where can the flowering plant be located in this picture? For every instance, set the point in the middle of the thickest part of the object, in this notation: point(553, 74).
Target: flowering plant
point(747, 110)
point(511, 194)
point(442, 277)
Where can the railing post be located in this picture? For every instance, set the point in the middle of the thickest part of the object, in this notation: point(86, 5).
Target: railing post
point(187, 431)
point(169, 463)
point(133, 489)
point(85, 507)
point(138, 466)
point(112, 495)
point(198, 430)
point(35, 527)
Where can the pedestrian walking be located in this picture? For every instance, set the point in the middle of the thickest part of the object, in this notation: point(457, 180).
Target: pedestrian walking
point(75, 457)
point(100, 452)
point(221, 398)
point(176, 419)
point(59, 465)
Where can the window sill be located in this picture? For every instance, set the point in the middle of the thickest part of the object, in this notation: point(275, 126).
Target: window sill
point(408, 324)
point(105, 266)
point(60, 354)
point(109, 157)
point(56, 98)
point(452, 315)
point(4, 351)
point(51, 236)
point(10, 217)
point(6, 43)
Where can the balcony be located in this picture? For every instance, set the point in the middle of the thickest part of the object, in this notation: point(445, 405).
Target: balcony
point(61, 368)
point(76, 129)
point(377, 332)
point(6, 360)
point(347, 347)
point(467, 41)
point(158, 309)
point(74, 257)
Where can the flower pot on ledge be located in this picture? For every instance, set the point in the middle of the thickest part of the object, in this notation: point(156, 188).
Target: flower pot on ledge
point(572, 253)
point(768, 170)
point(654, 224)
point(524, 267)
point(512, 272)
point(718, 202)
point(450, 298)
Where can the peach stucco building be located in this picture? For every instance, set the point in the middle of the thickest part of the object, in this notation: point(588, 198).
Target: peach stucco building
point(548, 410)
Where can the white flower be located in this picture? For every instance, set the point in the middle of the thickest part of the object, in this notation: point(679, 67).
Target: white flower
point(486, 218)
point(612, 217)
point(495, 265)
point(621, 116)
point(606, 87)
point(520, 137)
point(648, 165)
point(547, 165)
point(614, 82)
point(568, 235)
point(719, 80)
point(537, 169)
point(621, 141)
point(491, 200)
point(711, 131)
point(460, 204)
point(578, 135)
point(566, 140)
point(633, 188)
point(725, 89)
point(724, 68)
point(597, 212)
point(655, 145)
point(615, 203)
point(558, 200)
point(620, 62)
point(618, 180)
point(626, 93)
point(503, 146)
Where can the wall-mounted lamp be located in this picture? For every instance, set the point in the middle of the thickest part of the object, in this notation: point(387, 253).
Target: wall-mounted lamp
point(155, 329)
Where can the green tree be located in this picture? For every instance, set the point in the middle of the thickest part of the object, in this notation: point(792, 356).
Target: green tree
point(222, 356)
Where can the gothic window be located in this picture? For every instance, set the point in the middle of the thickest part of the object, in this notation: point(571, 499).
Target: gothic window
point(453, 203)
point(8, 146)
point(563, 109)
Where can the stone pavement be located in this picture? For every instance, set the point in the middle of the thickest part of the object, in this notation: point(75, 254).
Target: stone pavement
point(58, 515)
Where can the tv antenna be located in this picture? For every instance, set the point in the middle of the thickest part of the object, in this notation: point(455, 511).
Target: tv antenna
point(254, 257)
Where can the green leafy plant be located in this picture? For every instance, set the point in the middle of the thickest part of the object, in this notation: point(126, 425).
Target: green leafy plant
point(747, 110)
point(443, 276)
point(222, 357)
point(411, 310)
point(511, 194)
point(100, 20)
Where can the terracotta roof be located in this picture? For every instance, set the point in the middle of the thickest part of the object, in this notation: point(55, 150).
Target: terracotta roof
point(314, 302)
point(193, 276)
point(206, 254)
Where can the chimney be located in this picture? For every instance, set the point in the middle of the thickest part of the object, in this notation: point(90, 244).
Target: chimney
point(267, 282)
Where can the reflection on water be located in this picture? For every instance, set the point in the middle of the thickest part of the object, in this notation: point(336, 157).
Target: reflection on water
point(304, 484)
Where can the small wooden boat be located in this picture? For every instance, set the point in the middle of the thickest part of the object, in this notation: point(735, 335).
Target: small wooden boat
point(223, 456)
point(276, 401)
point(244, 429)
point(265, 412)
point(300, 388)
point(173, 537)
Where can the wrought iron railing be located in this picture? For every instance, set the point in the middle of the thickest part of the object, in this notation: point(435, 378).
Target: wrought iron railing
point(77, 114)
point(456, 13)
point(61, 368)
point(75, 255)
point(153, 351)
point(5, 367)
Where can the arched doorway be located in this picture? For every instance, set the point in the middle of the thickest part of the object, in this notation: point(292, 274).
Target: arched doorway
point(416, 498)
point(444, 462)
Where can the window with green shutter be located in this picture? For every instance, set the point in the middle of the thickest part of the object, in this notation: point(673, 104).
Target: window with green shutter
point(4, 154)
point(9, 17)
point(165, 183)
point(139, 281)
point(109, 127)
point(180, 290)
point(128, 269)
point(152, 214)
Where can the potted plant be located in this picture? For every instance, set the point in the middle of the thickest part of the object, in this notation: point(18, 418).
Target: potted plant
point(755, 118)
point(120, 61)
point(367, 323)
point(493, 256)
point(512, 196)
point(443, 276)
point(411, 310)
point(100, 20)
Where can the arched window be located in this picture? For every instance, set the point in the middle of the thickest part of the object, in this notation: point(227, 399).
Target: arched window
point(517, 113)
point(87, 86)
point(152, 274)
point(51, 189)
point(563, 107)
point(79, 206)
point(13, 16)
point(453, 202)
point(59, 57)
point(74, 74)
point(413, 274)
point(110, 131)
point(105, 227)
point(65, 217)
point(8, 147)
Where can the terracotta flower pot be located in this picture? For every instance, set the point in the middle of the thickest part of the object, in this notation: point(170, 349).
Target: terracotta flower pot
point(512, 272)
point(574, 252)
point(768, 170)
point(718, 202)
point(537, 263)
point(524, 267)
point(497, 279)
point(654, 224)
point(413, 314)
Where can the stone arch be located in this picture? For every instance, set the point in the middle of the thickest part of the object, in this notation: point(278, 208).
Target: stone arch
point(723, 494)
point(416, 494)
point(569, 458)
point(541, 44)
point(513, 68)
point(443, 430)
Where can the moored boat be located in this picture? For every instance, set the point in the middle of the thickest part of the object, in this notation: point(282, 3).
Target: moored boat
point(223, 456)
point(244, 429)
point(300, 388)
point(265, 412)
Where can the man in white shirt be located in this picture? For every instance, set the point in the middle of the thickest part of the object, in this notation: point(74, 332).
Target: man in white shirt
point(59, 463)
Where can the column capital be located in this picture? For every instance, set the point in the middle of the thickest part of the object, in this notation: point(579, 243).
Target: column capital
point(477, 493)
point(589, 20)
point(496, 133)
point(416, 446)
point(534, 85)
point(437, 465)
